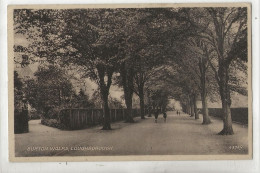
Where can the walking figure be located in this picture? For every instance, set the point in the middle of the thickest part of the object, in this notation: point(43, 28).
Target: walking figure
point(156, 114)
point(164, 116)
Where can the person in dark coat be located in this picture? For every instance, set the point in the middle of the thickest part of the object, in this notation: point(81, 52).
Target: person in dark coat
point(156, 114)
point(164, 116)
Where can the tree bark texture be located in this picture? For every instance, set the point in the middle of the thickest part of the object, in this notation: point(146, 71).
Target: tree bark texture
point(149, 104)
point(191, 107)
point(188, 107)
point(205, 112)
point(222, 75)
point(104, 90)
point(127, 76)
point(195, 107)
point(141, 96)
point(226, 101)
point(106, 122)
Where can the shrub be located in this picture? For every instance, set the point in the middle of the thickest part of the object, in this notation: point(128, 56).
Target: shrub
point(34, 115)
point(52, 123)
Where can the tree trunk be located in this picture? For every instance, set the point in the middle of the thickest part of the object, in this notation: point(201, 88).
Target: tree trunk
point(188, 108)
point(227, 120)
point(106, 122)
point(104, 90)
point(227, 127)
point(141, 96)
point(185, 108)
point(191, 107)
point(205, 111)
point(128, 101)
point(139, 80)
point(195, 107)
point(222, 75)
point(202, 66)
point(149, 104)
point(226, 101)
point(128, 84)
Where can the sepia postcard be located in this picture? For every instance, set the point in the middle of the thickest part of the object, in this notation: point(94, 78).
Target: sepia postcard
point(130, 82)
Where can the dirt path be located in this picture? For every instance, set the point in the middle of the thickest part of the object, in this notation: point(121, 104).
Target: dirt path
point(179, 135)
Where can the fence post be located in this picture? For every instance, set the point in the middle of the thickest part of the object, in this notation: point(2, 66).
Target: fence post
point(115, 114)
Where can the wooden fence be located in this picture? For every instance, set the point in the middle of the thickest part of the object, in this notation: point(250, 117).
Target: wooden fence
point(80, 118)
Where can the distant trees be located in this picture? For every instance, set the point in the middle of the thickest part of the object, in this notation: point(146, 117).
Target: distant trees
point(142, 75)
point(186, 83)
point(195, 61)
point(82, 100)
point(160, 99)
point(52, 91)
point(49, 92)
point(113, 103)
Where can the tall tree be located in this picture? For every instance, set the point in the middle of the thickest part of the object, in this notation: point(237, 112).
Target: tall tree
point(147, 60)
point(199, 54)
point(229, 37)
point(87, 45)
point(50, 91)
point(127, 77)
